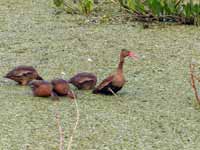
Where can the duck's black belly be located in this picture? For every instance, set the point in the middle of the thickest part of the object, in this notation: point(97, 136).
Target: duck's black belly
point(106, 90)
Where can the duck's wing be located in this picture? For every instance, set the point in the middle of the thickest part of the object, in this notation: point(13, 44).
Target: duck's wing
point(37, 83)
point(24, 73)
point(21, 71)
point(104, 83)
point(84, 79)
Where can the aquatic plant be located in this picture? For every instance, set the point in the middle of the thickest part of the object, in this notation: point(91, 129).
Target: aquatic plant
point(86, 6)
point(164, 10)
point(82, 6)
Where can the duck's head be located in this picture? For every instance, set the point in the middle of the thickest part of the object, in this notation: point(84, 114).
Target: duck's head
point(126, 53)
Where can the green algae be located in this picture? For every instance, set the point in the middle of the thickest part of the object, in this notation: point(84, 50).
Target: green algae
point(156, 108)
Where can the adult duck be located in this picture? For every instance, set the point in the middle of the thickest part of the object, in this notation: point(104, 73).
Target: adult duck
point(41, 88)
point(23, 74)
point(84, 81)
point(62, 88)
point(113, 83)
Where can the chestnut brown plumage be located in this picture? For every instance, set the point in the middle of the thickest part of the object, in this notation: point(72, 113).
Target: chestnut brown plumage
point(113, 83)
point(84, 81)
point(42, 88)
point(23, 74)
point(62, 88)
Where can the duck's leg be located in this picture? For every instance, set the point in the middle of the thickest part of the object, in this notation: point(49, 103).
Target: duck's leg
point(24, 82)
point(112, 92)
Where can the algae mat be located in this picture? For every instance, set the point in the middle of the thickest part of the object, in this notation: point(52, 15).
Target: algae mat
point(156, 108)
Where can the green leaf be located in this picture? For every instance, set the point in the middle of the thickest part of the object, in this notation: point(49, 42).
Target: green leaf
point(58, 3)
point(86, 6)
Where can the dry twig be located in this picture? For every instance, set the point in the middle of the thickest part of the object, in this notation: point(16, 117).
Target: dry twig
point(76, 124)
point(113, 92)
point(61, 132)
point(193, 82)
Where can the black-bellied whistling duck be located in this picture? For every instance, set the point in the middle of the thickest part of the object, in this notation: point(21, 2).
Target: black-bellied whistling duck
point(84, 81)
point(42, 88)
point(113, 83)
point(23, 74)
point(62, 88)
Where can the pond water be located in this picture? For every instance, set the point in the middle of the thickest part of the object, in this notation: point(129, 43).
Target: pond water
point(156, 109)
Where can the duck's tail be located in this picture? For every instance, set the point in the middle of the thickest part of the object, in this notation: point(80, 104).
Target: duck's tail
point(39, 78)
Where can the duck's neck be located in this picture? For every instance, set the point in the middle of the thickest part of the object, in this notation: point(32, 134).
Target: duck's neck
point(120, 65)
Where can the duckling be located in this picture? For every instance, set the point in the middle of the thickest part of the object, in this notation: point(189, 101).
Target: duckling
point(23, 74)
point(62, 88)
point(42, 88)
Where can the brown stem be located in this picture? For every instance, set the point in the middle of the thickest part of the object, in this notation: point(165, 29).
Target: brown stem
point(193, 83)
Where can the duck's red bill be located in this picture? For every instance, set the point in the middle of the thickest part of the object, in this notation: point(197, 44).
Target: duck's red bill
point(133, 55)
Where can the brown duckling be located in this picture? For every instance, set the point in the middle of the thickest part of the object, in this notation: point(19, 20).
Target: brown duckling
point(113, 83)
point(84, 81)
point(42, 88)
point(62, 88)
point(23, 74)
